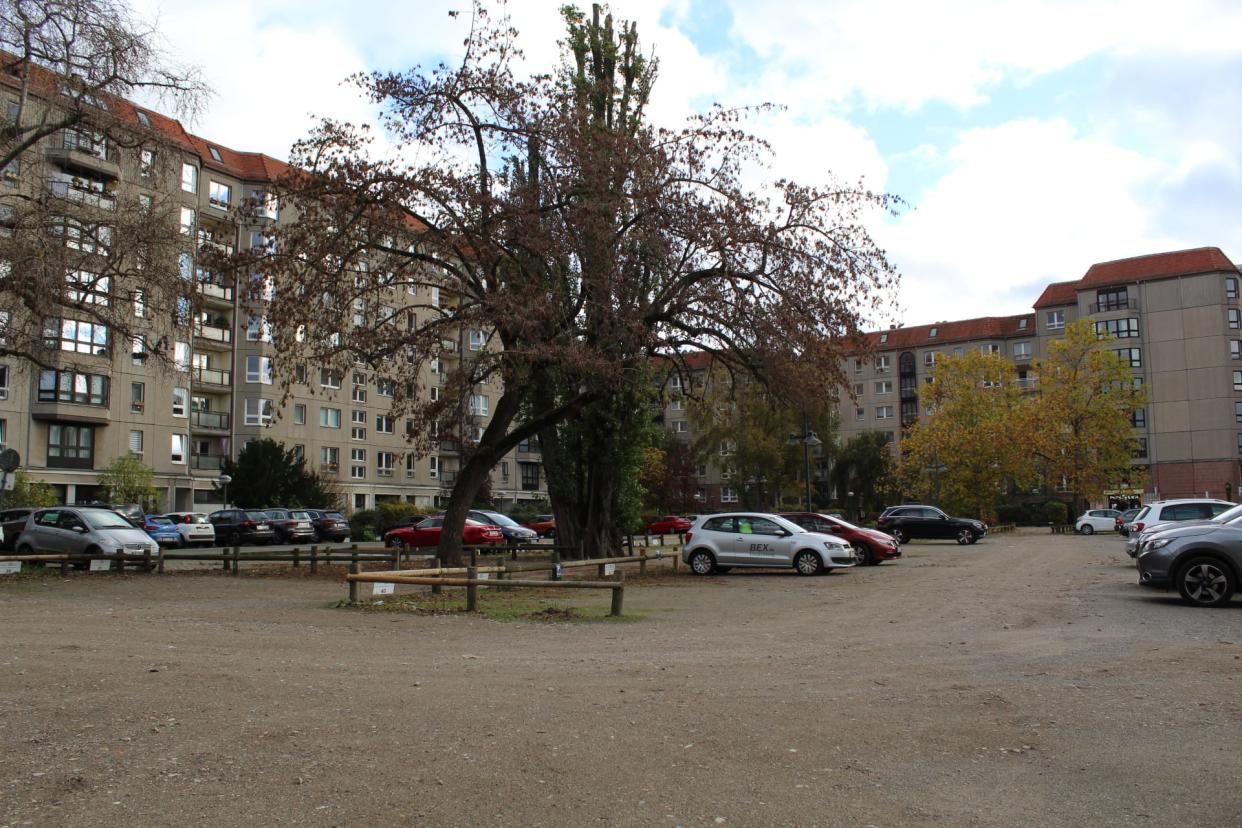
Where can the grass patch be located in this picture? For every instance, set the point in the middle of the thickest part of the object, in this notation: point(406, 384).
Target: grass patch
point(516, 605)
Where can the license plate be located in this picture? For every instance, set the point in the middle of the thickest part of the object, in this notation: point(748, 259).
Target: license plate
point(261, 527)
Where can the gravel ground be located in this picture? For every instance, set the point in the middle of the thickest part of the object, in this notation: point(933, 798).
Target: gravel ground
point(1025, 680)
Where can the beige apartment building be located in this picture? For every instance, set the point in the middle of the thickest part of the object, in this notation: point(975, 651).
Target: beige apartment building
point(218, 393)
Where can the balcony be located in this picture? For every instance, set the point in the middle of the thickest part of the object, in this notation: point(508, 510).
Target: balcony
point(209, 421)
point(448, 479)
point(212, 376)
point(207, 462)
point(88, 159)
point(213, 336)
point(216, 294)
point(67, 412)
point(1114, 305)
point(82, 195)
point(1027, 383)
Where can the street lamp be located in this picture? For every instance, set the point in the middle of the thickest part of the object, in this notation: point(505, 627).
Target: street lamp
point(807, 439)
point(225, 480)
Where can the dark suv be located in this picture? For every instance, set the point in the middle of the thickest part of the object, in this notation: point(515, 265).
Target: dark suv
point(237, 528)
point(329, 525)
point(907, 522)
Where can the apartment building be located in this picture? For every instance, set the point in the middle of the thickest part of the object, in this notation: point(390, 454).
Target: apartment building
point(219, 393)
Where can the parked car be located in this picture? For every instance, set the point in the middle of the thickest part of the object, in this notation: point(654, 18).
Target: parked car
point(717, 543)
point(1156, 515)
point(329, 526)
point(1123, 519)
point(1140, 540)
point(12, 522)
point(236, 527)
point(293, 526)
point(161, 530)
point(77, 530)
point(513, 531)
point(671, 525)
point(1096, 520)
point(870, 547)
point(1202, 562)
point(544, 525)
point(195, 528)
point(427, 533)
point(914, 521)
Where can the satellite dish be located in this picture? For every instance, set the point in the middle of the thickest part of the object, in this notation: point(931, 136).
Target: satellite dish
point(9, 460)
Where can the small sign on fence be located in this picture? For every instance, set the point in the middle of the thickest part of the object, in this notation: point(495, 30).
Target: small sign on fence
point(610, 569)
point(100, 565)
point(483, 576)
point(383, 589)
point(10, 567)
point(556, 569)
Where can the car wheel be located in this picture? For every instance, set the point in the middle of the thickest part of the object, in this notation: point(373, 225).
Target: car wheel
point(1205, 582)
point(1086, 529)
point(395, 542)
point(702, 562)
point(899, 535)
point(974, 538)
point(863, 553)
point(964, 536)
point(808, 562)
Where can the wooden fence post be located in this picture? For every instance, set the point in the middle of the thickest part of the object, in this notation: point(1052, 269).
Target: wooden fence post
point(472, 589)
point(618, 595)
point(146, 559)
point(159, 564)
point(396, 556)
point(236, 560)
point(64, 567)
point(297, 556)
point(224, 556)
point(354, 569)
point(314, 559)
point(556, 565)
point(120, 563)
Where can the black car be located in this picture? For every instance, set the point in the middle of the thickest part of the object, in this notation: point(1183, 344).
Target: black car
point(13, 521)
point(235, 527)
point(913, 521)
point(513, 531)
point(291, 526)
point(329, 525)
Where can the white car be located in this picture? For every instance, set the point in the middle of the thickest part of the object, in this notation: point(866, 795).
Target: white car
point(195, 528)
point(1096, 520)
point(717, 543)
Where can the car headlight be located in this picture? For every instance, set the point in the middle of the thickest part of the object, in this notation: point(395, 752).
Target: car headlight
point(1159, 543)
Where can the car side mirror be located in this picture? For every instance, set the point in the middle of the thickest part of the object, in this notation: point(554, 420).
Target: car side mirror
point(784, 533)
point(944, 517)
point(835, 529)
point(81, 530)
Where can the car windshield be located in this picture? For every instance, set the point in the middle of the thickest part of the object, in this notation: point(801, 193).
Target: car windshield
point(300, 515)
point(1229, 515)
point(277, 514)
point(160, 521)
point(499, 519)
point(105, 519)
point(334, 515)
point(841, 521)
point(429, 523)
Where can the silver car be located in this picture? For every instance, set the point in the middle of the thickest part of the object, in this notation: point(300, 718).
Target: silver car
point(1164, 513)
point(76, 530)
point(717, 543)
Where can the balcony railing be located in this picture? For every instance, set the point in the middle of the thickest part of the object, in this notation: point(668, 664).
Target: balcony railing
point(1113, 305)
point(210, 419)
point(212, 376)
point(530, 485)
point(448, 478)
point(214, 291)
point(211, 332)
point(65, 190)
point(207, 462)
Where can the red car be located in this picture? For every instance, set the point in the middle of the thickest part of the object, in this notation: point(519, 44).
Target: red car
point(427, 533)
point(671, 525)
point(871, 547)
point(545, 525)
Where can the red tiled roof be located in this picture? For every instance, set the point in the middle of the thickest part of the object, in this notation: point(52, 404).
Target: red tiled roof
point(1157, 266)
point(1058, 293)
point(987, 327)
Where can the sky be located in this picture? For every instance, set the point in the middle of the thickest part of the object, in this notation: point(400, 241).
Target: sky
point(1028, 139)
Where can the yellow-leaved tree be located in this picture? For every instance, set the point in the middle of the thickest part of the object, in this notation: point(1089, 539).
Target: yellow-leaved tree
point(974, 443)
point(1081, 429)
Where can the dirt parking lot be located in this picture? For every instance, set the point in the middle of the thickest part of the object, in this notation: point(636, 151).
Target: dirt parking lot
point(1026, 680)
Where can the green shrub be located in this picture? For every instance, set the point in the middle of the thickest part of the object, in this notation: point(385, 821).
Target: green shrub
point(390, 514)
point(1056, 512)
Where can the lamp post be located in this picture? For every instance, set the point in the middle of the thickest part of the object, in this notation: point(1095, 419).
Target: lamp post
point(225, 480)
point(807, 439)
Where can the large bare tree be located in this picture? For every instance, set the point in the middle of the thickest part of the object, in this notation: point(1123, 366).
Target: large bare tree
point(579, 241)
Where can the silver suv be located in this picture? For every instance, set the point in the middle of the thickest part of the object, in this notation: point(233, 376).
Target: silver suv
point(75, 530)
point(1161, 514)
point(717, 543)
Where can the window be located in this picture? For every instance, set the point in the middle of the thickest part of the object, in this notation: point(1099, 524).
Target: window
point(181, 402)
point(1117, 328)
point(4, 382)
point(181, 356)
point(1237, 380)
point(882, 364)
point(219, 195)
point(727, 448)
point(299, 452)
point(411, 465)
point(1111, 299)
point(858, 365)
point(860, 414)
point(359, 394)
point(1140, 447)
point(504, 472)
point(329, 378)
point(1237, 412)
point(71, 387)
point(177, 449)
point(477, 340)
point(1022, 324)
point(1021, 350)
point(929, 359)
point(1138, 418)
point(1231, 288)
point(258, 411)
point(384, 424)
point(77, 337)
point(135, 443)
point(189, 178)
point(146, 162)
point(435, 467)
point(435, 393)
point(187, 221)
point(385, 388)
point(859, 389)
point(88, 238)
point(1133, 356)
point(330, 417)
point(728, 495)
point(884, 387)
point(215, 154)
point(1235, 318)
point(883, 338)
point(140, 303)
point(1235, 349)
point(884, 412)
point(989, 349)
point(435, 297)
point(259, 369)
point(680, 426)
point(259, 330)
point(86, 288)
point(358, 457)
point(70, 445)
point(329, 457)
point(479, 405)
point(385, 461)
point(1054, 320)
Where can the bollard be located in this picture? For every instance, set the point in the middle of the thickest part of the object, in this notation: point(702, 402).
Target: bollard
point(354, 569)
point(472, 589)
point(618, 596)
point(556, 565)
